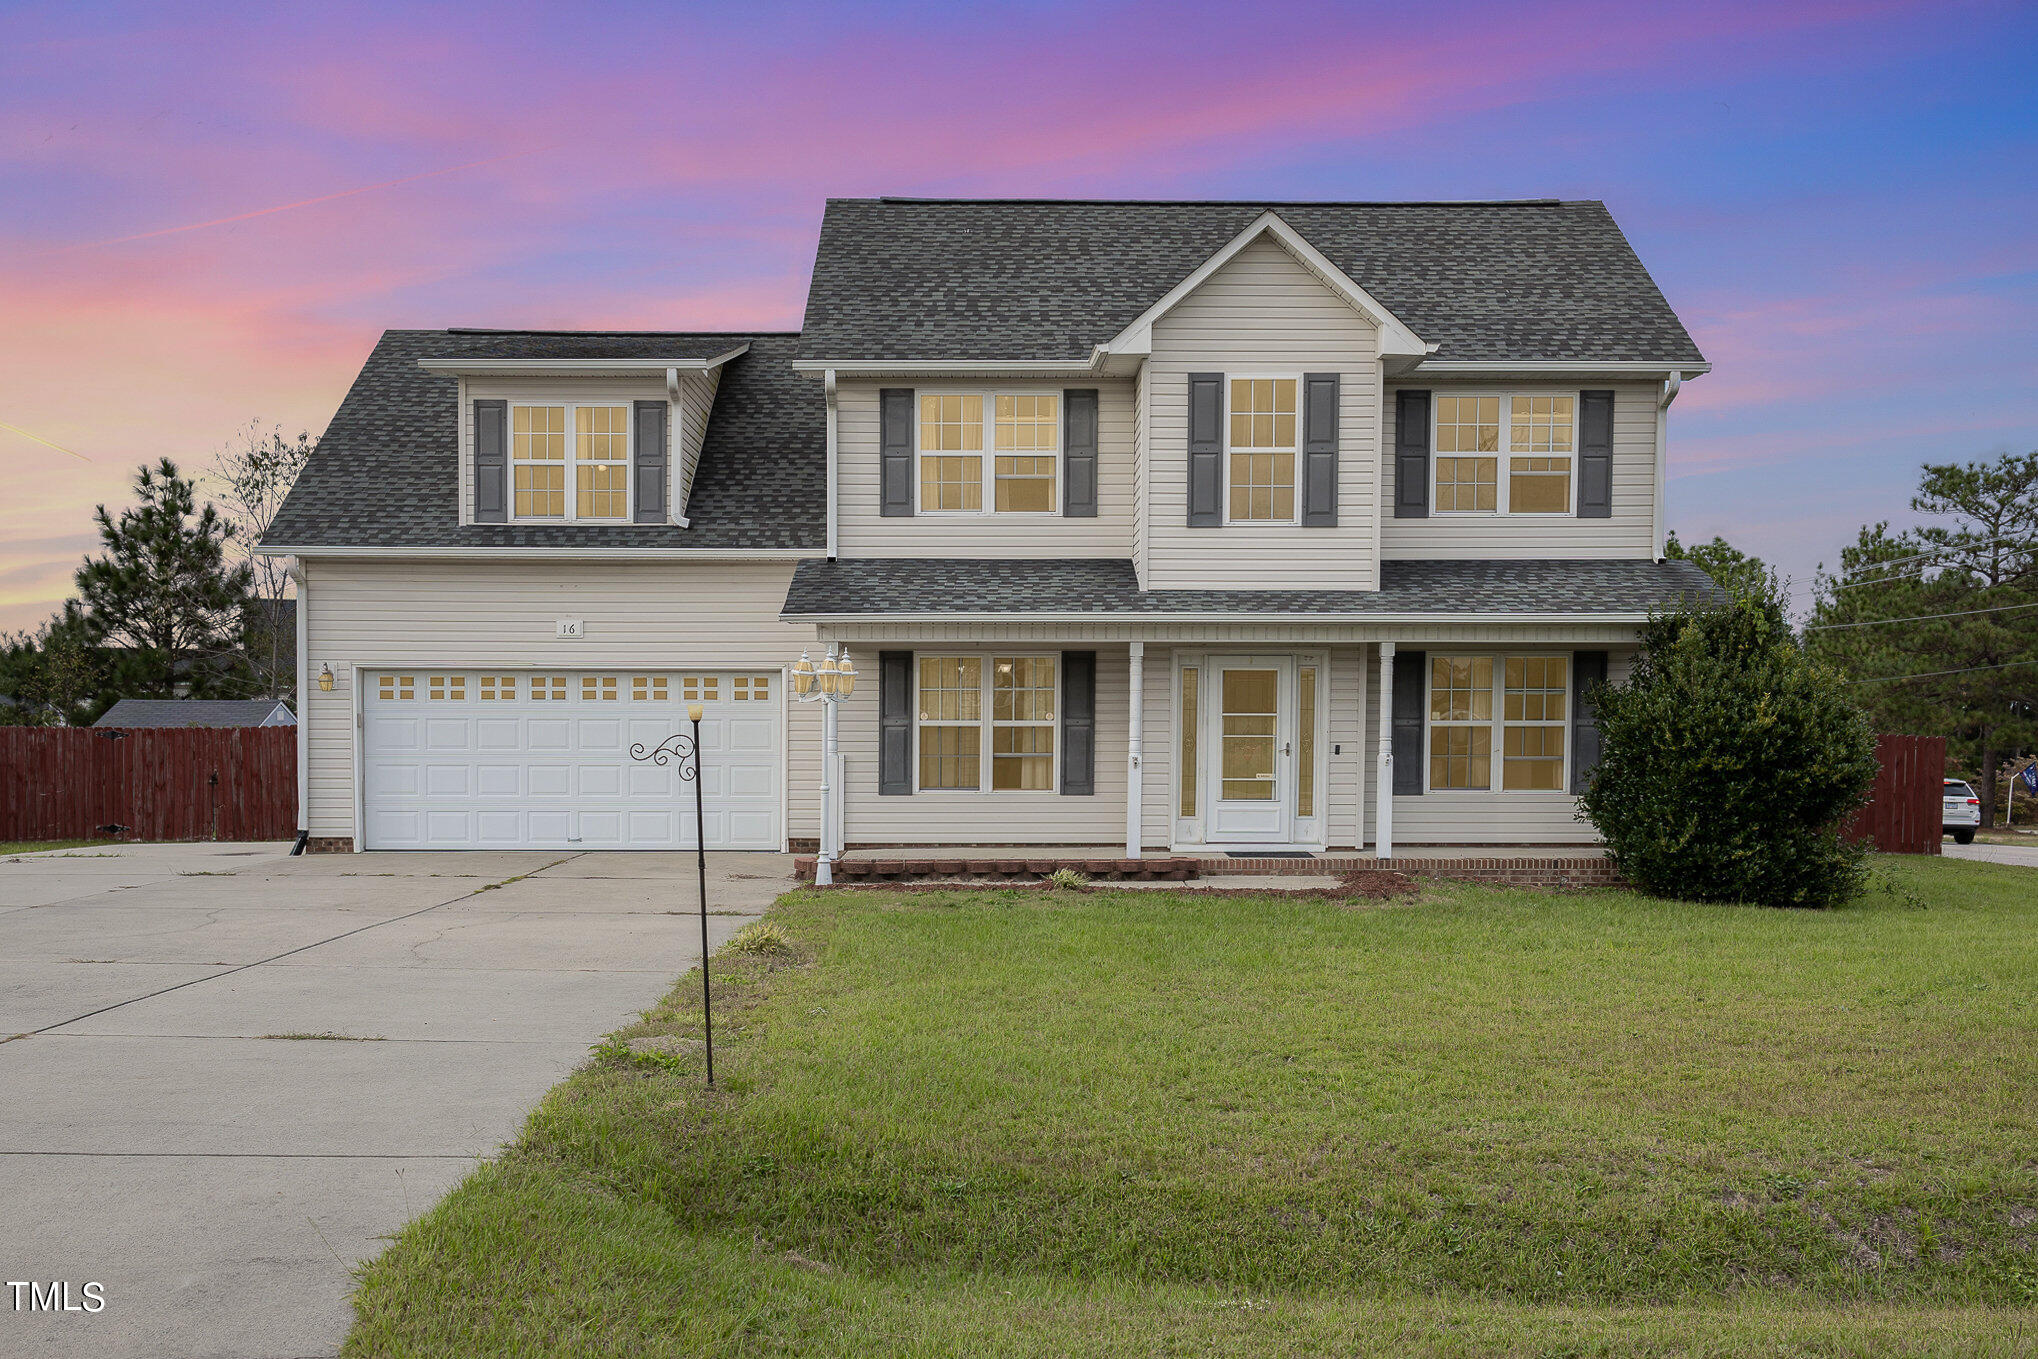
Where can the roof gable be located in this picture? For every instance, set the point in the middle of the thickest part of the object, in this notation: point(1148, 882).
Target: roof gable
point(988, 281)
point(1396, 339)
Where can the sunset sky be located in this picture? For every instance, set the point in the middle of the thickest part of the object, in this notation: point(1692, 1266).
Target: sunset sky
point(206, 217)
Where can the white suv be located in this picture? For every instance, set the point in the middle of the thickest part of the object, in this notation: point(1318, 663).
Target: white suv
point(1963, 812)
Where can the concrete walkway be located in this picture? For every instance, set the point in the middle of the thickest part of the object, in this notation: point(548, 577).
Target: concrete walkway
point(184, 1120)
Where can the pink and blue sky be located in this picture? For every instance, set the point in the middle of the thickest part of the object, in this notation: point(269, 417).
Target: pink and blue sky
point(207, 213)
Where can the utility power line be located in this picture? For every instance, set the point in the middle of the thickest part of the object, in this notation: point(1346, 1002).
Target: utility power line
point(1920, 617)
point(1935, 674)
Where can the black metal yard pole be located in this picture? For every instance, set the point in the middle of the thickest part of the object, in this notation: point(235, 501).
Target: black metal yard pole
point(700, 841)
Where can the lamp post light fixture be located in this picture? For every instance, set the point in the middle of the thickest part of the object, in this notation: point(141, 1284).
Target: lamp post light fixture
point(828, 683)
point(687, 750)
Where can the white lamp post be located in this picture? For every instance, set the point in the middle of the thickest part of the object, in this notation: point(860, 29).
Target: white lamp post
point(829, 683)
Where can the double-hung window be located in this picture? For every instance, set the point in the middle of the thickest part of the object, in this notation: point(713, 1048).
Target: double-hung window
point(1021, 430)
point(1261, 459)
point(1016, 740)
point(570, 461)
point(1540, 436)
point(1516, 705)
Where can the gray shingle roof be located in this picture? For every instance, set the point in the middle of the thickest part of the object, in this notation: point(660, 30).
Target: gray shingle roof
point(896, 585)
point(386, 473)
point(583, 344)
point(197, 712)
point(1024, 279)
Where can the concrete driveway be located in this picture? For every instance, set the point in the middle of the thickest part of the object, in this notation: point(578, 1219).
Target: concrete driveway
point(189, 1114)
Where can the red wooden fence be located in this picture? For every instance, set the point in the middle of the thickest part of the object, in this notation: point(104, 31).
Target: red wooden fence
point(171, 783)
point(1903, 813)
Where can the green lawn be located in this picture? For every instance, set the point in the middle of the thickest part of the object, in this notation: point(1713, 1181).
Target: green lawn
point(1478, 1121)
point(8, 847)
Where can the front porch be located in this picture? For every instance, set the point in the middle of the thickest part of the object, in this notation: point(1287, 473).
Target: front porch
point(1033, 704)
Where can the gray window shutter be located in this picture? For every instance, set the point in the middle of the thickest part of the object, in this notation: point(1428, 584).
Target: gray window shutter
point(491, 462)
point(1206, 450)
point(1411, 455)
point(1079, 723)
point(651, 461)
point(1595, 455)
point(1588, 668)
point(895, 453)
point(1408, 697)
point(1319, 450)
point(895, 722)
point(1079, 453)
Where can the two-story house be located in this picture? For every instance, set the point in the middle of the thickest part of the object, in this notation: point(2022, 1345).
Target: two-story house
point(1224, 526)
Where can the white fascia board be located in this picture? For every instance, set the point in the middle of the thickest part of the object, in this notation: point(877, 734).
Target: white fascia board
point(606, 554)
point(1555, 368)
point(1249, 619)
point(954, 367)
point(1396, 339)
point(571, 367)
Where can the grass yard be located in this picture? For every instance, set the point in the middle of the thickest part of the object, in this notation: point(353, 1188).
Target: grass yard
point(1477, 1121)
point(8, 847)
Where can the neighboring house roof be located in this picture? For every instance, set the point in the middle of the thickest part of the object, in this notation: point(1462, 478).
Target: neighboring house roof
point(386, 472)
point(893, 586)
point(989, 280)
point(197, 712)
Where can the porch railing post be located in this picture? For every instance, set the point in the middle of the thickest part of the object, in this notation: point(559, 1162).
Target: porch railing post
point(1383, 788)
point(1135, 734)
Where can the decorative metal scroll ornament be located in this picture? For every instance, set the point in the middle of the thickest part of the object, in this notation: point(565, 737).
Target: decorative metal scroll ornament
point(678, 746)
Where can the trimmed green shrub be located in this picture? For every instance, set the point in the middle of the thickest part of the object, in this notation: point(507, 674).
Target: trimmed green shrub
point(1729, 763)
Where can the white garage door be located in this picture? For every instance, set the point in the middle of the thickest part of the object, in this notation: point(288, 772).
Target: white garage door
point(455, 759)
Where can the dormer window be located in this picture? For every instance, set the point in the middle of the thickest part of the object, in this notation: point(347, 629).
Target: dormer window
point(586, 447)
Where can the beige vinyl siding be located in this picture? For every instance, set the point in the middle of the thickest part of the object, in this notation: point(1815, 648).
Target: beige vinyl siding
point(1141, 461)
point(1478, 818)
point(983, 818)
point(864, 532)
point(1158, 750)
point(687, 430)
point(696, 404)
point(1631, 532)
point(369, 614)
point(1264, 312)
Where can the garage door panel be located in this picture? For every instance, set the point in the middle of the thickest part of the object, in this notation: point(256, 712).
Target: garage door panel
point(467, 764)
point(548, 733)
point(495, 779)
point(504, 734)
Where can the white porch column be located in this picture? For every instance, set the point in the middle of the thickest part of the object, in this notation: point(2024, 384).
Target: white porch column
point(1383, 790)
point(1135, 734)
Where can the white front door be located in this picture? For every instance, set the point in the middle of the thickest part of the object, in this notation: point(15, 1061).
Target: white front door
point(466, 759)
point(1252, 746)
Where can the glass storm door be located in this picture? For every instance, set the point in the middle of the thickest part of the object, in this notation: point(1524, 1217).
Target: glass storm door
point(1251, 744)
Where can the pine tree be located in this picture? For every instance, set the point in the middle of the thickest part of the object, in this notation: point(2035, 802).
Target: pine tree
point(1938, 626)
point(163, 587)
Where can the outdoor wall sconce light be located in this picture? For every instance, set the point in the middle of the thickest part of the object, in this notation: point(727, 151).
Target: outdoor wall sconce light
point(325, 679)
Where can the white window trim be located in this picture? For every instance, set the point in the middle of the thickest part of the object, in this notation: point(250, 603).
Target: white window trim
point(1224, 420)
point(1500, 491)
point(1496, 775)
point(986, 722)
point(989, 497)
point(573, 409)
